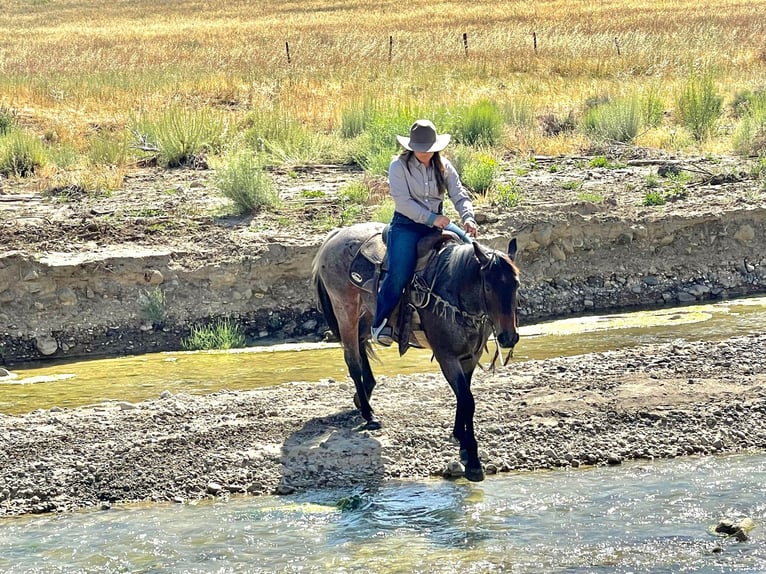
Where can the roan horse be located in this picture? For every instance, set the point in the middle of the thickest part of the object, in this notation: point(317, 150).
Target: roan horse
point(466, 293)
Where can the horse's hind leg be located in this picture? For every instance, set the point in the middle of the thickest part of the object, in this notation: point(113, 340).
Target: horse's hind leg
point(357, 363)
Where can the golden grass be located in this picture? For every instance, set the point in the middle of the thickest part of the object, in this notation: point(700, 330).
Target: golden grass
point(70, 65)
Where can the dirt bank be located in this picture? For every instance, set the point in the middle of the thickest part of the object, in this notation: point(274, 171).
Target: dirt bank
point(83, 274)
point(655, 401)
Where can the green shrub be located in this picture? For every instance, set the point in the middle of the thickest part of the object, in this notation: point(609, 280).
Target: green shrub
point(750, 136)
point(652, 181)
point(355, 119)
point(384, 212)
point(654, 198)
point(356, 192)
point(180, 135)
point(221, 334)
point(7, 120)
point(617, 120)
point(652, 107)
point(21, 154)
point(108, 149)
point(572, 185)
point(479, 124)
point(153, 305)
point(478, 174)
point(243, 180)
point(507, 195)
point(375, 148)
point(698, 106)
point(590, 197)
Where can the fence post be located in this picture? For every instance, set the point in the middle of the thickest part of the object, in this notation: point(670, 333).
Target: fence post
point(617, 43)
point(287, 49)
point(465, 43)
point(534, 41)
point(390, 48)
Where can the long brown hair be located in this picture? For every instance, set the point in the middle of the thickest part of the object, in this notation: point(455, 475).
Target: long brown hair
point(436, 163)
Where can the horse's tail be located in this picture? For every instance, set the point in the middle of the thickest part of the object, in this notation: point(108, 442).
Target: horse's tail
point(324, 304)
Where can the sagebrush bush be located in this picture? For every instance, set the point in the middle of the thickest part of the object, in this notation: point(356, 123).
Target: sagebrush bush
point(479, 124)
point(698, 106)
point(618, 120)
point(7, 120)
point(109, 149)
point(478, 174)
point(243, 180)
point(21, 154)
point(179, 135)
point(749, 138)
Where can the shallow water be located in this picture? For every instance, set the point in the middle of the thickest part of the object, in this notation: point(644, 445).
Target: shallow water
point(138, 378)
point(638, 517)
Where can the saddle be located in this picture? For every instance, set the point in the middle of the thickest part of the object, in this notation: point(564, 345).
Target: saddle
point(369, 265)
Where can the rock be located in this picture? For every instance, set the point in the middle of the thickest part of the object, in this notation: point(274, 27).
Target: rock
point(613, 459)
point(214, 488)
point(46, 344)
point(455, 469)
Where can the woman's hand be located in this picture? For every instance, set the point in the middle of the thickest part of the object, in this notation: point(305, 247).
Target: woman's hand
point(441, 221)
point(471, 228)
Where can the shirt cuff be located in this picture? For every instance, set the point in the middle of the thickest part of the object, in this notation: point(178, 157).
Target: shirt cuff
point(431, 219)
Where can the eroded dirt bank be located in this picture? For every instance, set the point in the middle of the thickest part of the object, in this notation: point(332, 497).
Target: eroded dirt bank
point(80, 275)
point(655, 401)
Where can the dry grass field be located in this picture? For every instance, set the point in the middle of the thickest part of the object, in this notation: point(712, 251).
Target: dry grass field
point(70, 68)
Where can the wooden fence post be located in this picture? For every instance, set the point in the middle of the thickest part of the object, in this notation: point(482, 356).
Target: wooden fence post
point(465, 43)
point(390, 48)
point(617, 43)
point(287, 49)
point(534, 41)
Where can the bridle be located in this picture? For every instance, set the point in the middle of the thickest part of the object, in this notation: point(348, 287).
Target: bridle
point(423, 295)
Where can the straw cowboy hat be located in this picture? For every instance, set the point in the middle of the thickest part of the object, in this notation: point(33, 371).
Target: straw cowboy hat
point(423, 137)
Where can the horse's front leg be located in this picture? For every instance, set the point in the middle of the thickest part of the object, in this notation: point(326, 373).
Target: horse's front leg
point(463, 431)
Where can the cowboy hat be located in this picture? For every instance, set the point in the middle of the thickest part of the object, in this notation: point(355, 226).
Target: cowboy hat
point(423, 137)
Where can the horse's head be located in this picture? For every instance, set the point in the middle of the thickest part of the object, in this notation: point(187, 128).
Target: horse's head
point(500, 283)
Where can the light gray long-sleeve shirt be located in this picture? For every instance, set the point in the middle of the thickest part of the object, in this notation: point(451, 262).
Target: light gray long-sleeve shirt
point(416, 195)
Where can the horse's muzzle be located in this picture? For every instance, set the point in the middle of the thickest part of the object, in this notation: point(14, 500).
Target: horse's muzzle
point(508, 339)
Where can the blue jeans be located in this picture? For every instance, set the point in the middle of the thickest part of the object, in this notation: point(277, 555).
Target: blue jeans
point(402, 244)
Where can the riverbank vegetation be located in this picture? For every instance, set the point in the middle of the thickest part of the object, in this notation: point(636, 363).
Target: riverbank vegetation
point(90, 90)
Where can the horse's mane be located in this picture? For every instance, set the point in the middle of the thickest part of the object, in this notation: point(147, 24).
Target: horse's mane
point(460, 261)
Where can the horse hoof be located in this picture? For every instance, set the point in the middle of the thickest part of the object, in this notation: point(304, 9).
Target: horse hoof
point(372, 424)
point(474, 474)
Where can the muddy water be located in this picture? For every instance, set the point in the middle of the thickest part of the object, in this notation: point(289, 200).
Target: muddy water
point(143, 377)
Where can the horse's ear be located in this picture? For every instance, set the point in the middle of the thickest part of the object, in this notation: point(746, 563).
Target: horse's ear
point(512, 248)
point(481, 255)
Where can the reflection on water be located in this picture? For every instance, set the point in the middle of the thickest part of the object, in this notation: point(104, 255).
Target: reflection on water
point(146, 376)
point(636, 518)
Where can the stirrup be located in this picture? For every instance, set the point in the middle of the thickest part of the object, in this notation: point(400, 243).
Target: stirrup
point(383, 335)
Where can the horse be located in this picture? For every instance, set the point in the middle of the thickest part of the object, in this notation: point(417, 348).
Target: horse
point(465, 293)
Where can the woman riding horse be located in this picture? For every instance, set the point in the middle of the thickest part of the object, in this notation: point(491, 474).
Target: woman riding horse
point(418, 180)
